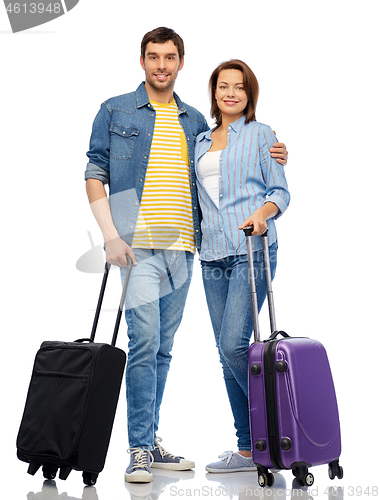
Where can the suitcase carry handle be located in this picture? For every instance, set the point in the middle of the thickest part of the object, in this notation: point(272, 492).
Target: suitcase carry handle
point(255, 310)
point(276, 334)
point(121, 304)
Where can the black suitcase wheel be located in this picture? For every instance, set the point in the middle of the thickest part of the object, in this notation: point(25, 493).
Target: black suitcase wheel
point(302, 475)
point(49, 472)
point(309, 479)
point(335, 470)
point(306, 480)
point(270, 479)
point(266, 479)
point(89, 478)
point(263, 480)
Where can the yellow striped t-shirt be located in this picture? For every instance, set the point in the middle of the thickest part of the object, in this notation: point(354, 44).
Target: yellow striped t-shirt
point(165, 217)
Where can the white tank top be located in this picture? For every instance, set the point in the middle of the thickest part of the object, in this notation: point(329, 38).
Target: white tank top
point(208, 172)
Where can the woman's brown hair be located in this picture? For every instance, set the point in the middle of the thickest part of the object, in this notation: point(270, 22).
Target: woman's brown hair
point(251, 87)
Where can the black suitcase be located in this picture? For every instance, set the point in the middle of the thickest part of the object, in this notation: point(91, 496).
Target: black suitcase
point(71, 402)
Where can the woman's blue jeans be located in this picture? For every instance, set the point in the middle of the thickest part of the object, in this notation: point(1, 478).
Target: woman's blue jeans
point(154, 306)
point(227, 289)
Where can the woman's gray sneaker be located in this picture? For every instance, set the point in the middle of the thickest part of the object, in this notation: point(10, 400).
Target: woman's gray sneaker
point(232, 462)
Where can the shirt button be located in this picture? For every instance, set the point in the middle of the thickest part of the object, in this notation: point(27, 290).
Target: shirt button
point(123, 133)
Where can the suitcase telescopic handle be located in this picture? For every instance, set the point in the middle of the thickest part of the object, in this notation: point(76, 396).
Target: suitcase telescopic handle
point(122, 300)
point(251, 272)
point(255, 311)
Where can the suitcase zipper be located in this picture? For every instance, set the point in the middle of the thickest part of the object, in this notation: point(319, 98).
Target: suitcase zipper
point(271, 404)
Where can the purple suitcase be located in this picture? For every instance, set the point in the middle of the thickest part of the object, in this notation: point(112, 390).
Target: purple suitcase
point(293, 409)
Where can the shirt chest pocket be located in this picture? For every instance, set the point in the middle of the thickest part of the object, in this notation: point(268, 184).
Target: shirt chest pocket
point(123, 141)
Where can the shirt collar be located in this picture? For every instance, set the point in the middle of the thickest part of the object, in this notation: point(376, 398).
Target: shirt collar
point(237, 124)
point(143, 99)
point(142, 96)
point(234, 127)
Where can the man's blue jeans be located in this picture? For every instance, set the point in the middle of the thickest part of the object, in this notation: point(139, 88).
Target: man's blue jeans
point(154, 307)
point(227, 289)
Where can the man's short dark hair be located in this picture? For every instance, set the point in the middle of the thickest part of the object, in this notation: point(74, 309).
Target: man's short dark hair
point(163, 35)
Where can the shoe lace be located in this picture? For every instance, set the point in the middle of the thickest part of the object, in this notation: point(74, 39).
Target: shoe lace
point(226, 455)
point(162, 450)
point(140, 457)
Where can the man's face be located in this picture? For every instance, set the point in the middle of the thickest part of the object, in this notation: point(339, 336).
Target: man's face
point(161, 65)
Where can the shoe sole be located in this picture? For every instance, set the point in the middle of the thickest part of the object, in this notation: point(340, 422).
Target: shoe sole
point(167, 466)
point(239, 469)
point(138, 477)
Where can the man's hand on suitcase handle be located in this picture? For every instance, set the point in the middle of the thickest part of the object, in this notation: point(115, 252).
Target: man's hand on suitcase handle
point(116, 251)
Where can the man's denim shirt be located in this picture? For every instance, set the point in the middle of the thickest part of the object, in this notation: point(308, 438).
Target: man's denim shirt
point(119, 154)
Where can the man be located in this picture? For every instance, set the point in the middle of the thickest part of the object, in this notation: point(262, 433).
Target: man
point(142, 146)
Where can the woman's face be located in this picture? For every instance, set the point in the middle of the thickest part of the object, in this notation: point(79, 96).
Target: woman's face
point(230, 95)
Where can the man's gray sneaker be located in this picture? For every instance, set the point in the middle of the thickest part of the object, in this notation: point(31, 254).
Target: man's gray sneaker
point(232, 462)
point(165, 460)
point(139, 469)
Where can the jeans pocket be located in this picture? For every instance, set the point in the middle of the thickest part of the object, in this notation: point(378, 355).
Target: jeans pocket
point(123, 141)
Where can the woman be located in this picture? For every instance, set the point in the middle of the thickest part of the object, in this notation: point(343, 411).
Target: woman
point(239, 185)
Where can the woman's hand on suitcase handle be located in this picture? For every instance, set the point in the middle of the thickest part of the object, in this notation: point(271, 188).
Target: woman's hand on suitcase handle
point(258, 228)
point(116, 251)
point(259, 219)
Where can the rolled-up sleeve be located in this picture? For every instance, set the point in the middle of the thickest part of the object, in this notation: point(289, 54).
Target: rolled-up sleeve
point(95, 172)
point(273, 172)
point(99, 152)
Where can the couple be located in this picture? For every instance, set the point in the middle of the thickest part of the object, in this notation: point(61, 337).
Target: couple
point(177, 187)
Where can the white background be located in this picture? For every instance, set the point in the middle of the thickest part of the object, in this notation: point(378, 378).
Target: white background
point(317, 66)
